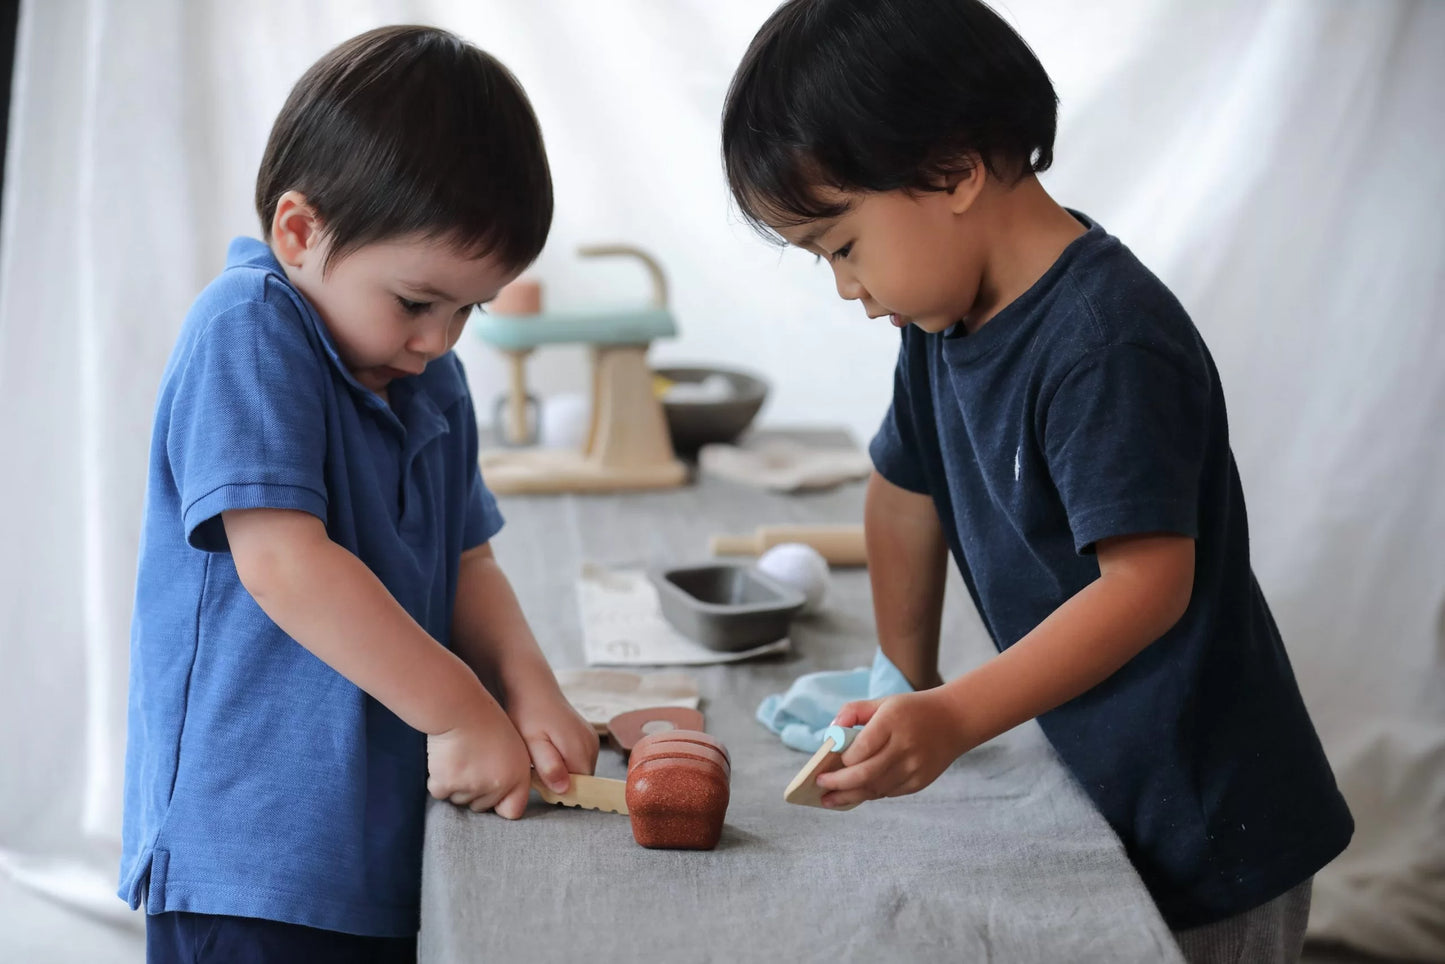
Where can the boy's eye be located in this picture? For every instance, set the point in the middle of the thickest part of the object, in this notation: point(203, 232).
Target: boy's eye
point(842, 252)
point(412, 307)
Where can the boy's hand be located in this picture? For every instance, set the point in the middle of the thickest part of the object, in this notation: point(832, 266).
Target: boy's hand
point(557, 738)
point(908, 741)
point(481, 763)
point(491, 635)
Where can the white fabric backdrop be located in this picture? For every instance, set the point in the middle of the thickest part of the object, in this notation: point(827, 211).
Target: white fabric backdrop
point(1277, 163)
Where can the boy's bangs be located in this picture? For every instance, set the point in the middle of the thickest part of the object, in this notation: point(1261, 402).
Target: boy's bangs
point(879, 95)
point(779, 187)
point(359, 138)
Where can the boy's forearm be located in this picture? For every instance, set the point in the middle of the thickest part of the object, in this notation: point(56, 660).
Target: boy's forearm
point(326, 599)
point(1082, 643)
point(489, 630)
point(907, 564)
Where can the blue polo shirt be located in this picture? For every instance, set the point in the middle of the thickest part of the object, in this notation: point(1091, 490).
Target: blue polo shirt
point(1089, 408)
point(259, 782)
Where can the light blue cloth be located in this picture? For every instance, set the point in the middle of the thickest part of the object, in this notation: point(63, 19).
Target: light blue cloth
point(801, 714)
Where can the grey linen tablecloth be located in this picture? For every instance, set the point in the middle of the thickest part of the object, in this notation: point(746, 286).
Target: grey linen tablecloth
point(1003, 859)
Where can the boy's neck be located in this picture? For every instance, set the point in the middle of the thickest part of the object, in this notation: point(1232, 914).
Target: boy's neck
point(1027, 230)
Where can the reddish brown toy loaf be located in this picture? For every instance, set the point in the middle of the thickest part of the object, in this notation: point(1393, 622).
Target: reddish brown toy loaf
point(676, 792)
point(677, 789)
point(677, 802)
point(685, 736)
point(685, 750)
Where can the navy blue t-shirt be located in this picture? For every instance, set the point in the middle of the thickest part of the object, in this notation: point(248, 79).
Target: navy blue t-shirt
point(1090, 408)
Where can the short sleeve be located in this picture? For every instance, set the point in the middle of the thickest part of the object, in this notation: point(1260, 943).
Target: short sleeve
point(894, 448)
point(482, 518)
point(1125, 435)
point(247, 421)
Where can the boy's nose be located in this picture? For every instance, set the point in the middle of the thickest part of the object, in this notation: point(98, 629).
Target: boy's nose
point(432, 342)
point(849, 289)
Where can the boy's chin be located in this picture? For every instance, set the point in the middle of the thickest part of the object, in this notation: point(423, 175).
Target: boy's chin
point(934, 325)
point(370, 379)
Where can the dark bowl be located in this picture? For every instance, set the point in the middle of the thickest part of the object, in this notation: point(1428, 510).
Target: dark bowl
point(695, 424)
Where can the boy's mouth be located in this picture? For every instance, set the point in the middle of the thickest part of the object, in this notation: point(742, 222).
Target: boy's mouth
point(894, 318)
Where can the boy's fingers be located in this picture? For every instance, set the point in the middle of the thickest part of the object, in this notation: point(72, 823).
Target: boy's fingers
point(839, 798)
point(478, 801)
point(878, 785)
point(856, 713)
point(842, 798)
point(592, 743)
point(514, 804)
point(580, 755)
point(855, 776)
point(549, 764)
point(865, 745)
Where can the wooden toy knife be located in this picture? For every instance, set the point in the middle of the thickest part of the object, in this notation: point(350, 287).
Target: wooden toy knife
point(587, 792)
point(804, 790)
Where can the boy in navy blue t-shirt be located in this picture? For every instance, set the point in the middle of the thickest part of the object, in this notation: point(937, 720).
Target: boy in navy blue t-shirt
point(1058, 426)
point(317, 601)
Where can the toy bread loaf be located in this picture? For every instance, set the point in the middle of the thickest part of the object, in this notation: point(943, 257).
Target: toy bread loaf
point(684, 750)
point(685, 736)
point(677, 802)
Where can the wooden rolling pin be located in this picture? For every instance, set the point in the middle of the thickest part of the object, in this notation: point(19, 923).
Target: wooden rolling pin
point(841, 545)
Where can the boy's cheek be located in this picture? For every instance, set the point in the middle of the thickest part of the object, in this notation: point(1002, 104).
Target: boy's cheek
point(455, 335)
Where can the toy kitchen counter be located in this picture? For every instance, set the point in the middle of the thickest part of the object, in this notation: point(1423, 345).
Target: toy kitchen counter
point(1003, 858)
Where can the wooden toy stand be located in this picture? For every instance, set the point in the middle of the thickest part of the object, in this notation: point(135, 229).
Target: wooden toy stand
point(628, 445)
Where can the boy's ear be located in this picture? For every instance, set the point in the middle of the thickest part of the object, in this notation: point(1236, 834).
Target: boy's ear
point(296, 230)
point(966, 183)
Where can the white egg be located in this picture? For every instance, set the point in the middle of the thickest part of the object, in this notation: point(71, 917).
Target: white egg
point(799, 566)
point(565, 420)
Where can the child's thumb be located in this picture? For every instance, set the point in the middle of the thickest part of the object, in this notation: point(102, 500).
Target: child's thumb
point(549, 764)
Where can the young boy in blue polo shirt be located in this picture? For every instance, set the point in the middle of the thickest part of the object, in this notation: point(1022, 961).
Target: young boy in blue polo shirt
point(317, 602)
point(1058, 425)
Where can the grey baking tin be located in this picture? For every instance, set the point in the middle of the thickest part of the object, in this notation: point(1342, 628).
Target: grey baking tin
point(726, 606)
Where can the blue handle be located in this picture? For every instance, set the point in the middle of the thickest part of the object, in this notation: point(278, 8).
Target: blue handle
point(841, 736)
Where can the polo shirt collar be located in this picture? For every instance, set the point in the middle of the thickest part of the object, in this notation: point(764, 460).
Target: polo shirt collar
point(422, 399)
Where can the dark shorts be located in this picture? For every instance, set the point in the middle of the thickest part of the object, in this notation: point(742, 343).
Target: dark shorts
point(177, 937)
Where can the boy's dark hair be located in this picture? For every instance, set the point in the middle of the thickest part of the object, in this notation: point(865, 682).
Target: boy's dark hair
point(879, 95)
point(410, 130)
